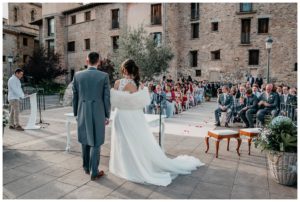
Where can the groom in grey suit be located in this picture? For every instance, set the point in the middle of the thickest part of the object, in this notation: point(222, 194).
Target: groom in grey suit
point(91, 106)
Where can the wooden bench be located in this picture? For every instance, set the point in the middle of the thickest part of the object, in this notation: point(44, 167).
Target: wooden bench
point(250, 133)
point(218, 135)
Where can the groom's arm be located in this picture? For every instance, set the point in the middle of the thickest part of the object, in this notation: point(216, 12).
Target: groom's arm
point(75, 96)
point(106, 97)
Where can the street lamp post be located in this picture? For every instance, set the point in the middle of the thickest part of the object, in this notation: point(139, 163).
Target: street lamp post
point(269, 42)
point(10, 60)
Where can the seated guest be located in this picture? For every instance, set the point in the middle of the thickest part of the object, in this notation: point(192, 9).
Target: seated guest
point(268, 104)
point(178, 97)
point(286, 102)
point(199, 91)
point(241, 98)
point(248, 85)
point(293, 91)
point(255, 90)
point(185, 97)
point(241, 91)
point(263, 88)
point(170, 81)
point(219, 92)
point(159, 96)
point(170, 97)
point(195, 94)
point(190, 86)
point(279, 90)
point(191, 98)
point(149, 109)
point(233, 92)
point(225, 102)
point(249, 108)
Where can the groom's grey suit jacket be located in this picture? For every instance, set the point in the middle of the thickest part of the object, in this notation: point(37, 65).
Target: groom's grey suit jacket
point(91, 105)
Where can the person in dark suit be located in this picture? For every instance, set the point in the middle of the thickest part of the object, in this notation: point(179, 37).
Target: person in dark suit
point(225, 102)
point(251, 80)
point(159, 96)
point(91, 107)
point(249, 108)
point(268, 104)
point(259, 80)
point(286, 102)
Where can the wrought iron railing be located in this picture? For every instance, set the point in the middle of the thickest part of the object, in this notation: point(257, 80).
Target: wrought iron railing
point(289, 110)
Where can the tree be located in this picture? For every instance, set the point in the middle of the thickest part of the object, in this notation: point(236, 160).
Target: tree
point(136, 44)
point(43, 67)
point(107, 66)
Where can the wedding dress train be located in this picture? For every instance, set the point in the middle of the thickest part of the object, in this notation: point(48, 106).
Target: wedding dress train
point(135, 154)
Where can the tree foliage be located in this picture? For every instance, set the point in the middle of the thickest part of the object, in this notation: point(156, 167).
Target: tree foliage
point(107, 66)
point(138, 45)
point(43, 67)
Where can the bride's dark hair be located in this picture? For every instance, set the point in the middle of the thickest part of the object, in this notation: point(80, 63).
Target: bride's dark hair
point(132, 69)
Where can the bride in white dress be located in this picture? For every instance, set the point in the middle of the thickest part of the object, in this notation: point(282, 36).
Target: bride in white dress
point(135, 154)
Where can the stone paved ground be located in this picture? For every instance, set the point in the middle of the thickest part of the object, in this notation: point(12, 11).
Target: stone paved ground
point(35, 166)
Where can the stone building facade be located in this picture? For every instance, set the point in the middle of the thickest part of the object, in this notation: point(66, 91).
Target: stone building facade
point(210, 41)
point(19, 37)
point(220, 27)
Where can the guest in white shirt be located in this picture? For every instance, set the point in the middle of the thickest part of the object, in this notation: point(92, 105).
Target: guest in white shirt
point(15, 93)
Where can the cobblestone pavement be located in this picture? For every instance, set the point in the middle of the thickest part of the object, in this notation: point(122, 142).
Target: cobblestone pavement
point(35, 165)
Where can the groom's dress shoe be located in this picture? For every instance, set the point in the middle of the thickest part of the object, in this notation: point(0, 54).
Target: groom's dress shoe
point(87, 172)
point(100, 174)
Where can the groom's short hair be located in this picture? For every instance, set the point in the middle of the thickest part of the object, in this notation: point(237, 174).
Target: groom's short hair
point(93, 58)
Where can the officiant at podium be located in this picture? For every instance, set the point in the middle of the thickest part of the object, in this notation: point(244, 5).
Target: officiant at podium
point(15, 93)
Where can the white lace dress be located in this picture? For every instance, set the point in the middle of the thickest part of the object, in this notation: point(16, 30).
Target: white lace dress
point(135, 154)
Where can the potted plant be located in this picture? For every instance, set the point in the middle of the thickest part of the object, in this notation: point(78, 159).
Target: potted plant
point(279, 139)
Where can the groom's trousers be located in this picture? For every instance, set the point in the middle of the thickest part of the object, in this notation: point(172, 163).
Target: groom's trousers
point(91, 159)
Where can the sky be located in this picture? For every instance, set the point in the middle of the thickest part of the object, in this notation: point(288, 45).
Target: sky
point(5, 10)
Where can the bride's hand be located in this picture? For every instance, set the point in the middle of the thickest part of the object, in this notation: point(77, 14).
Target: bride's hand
point(106, 121)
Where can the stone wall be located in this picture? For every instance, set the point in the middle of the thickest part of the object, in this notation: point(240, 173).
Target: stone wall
point(13, 45)
point(97, 30)
point(24, 15)
point(233, 64)
point(9, 48)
